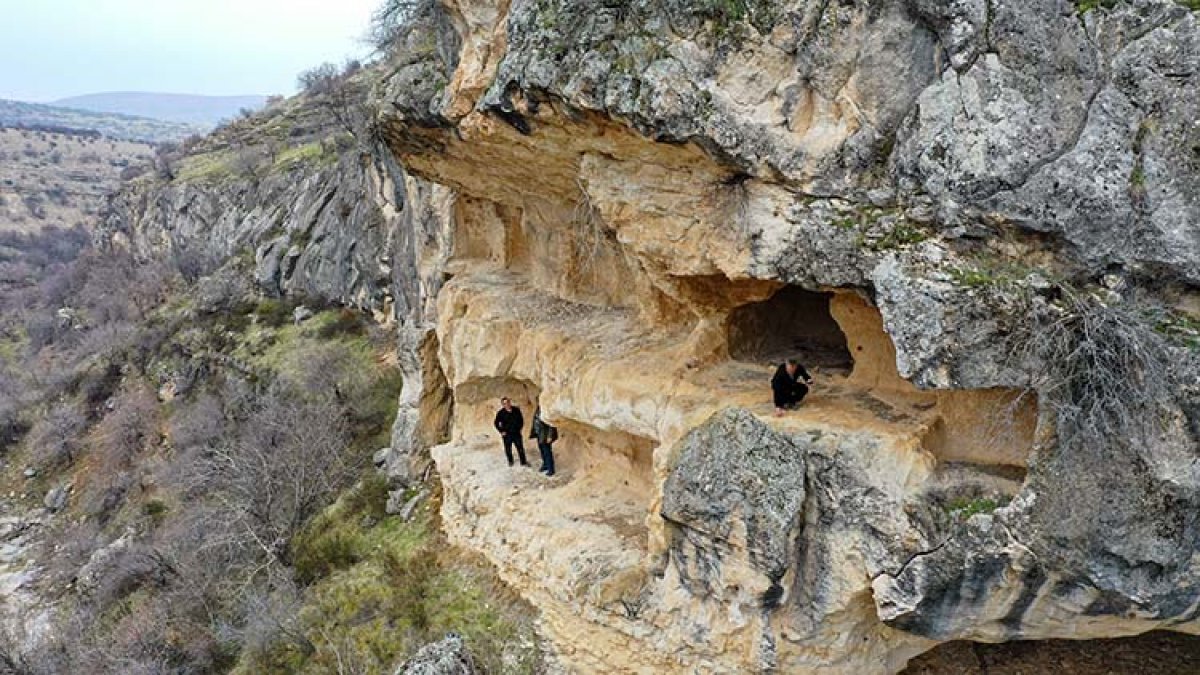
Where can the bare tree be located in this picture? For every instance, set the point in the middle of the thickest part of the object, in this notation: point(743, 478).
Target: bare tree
point(341, 96)
point(251, 162)
point(1104, 369)
point(56, 436)
point(282, 469)
point(319, 80)
point(164, 160)
point(130, 428)
point(389, 21)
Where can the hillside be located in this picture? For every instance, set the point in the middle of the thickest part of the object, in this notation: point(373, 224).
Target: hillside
point(193, 110)
point(60, 179)
point(123, 382)
point(111, 125)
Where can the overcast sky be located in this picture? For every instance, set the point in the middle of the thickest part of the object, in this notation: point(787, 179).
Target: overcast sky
point(51, 49)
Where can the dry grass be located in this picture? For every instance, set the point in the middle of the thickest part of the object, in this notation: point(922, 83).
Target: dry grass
point(59, 179)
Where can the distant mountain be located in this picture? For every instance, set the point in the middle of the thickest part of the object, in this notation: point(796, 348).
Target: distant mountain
point(205, 111)
point(16, 114)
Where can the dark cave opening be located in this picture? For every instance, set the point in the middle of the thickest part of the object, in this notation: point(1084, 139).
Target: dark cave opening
point(792, 323)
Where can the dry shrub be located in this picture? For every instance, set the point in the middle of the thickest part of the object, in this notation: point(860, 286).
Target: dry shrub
point(285, 465)
point(130, 427)
point(55, 437)
point(197, 423)
point(1106, 372)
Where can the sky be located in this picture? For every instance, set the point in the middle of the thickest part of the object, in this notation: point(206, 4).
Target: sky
point(52, 49)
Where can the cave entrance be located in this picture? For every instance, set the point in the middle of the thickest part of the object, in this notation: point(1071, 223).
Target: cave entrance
point(792, 323)
point(603, 477)
point(476, 403)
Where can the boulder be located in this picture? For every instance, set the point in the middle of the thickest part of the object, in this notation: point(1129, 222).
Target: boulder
point(301, 314)
point(448, 656)
point(56, 498)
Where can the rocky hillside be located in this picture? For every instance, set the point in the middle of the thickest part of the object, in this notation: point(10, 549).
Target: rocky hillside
point(187, 458)
point(977, 222)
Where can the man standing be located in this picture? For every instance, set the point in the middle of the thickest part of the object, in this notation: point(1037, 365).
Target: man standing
point(545, 435)
point(509, 423)
point(789, 385)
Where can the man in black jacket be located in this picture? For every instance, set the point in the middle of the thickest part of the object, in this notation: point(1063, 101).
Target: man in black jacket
point(789, 385)
point(509, 422)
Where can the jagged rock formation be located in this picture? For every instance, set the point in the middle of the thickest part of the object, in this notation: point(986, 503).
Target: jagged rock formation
point(614, 210)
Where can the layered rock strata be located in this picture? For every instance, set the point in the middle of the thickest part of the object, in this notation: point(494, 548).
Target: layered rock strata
point(624, 212)
point(636, 183)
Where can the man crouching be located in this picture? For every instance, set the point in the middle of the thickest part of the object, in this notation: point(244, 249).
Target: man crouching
point(789, 385)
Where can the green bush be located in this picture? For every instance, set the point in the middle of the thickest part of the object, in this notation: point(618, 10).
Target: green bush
point(963, 508)
point(369, 498)
point(156, 509)
point(322, 554)
point(273, 313)
point(375, 408)
point(345, 322)
point(340, 537)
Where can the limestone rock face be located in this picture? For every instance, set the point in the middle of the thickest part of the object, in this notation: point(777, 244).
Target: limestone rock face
point(736, 474)
point(359, 232)
point(626, 213)
point(317, 230)
point(635, 183)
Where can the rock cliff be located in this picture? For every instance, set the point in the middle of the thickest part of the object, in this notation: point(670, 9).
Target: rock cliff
point(978, 222)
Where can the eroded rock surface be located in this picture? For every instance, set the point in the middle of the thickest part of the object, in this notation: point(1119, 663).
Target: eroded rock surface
point(626, 176)
point(592, 192)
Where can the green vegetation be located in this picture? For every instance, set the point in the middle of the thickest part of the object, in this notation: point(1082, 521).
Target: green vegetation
point(973, 277)
point(879, 229)
point(1184, 329)
point(1137, 177)
point(727, 16)
point(993, 271)
point(1086, 6)
point(317, 152)
point(383, 587)
point(210, 166)
point(155, 509)
point(197, 422)
point(273, 313)
point(963, 508)
point(846, 222)
point(998, 266)
point(904, 233)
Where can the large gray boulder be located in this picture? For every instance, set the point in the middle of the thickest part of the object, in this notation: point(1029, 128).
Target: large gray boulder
point(448, 656)
point(735, 475)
